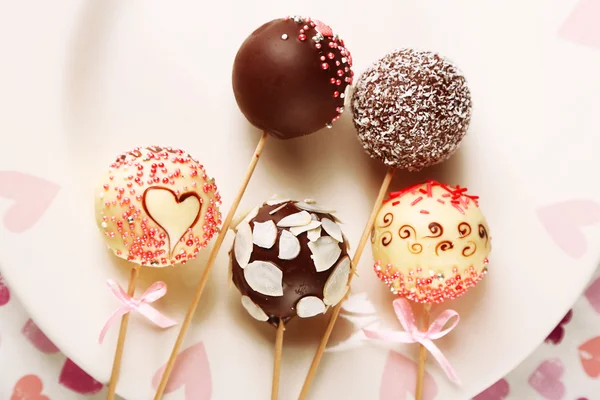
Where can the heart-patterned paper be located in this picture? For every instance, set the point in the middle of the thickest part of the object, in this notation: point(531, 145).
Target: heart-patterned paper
point(77, 379)
point(37, 338)
point(498, 391)
point(31, 196)
point(174, 214)
point(592, 294)
point(558, 333)
point(582, 25)
point(564, 222)
point(589, 354)
point(29, 387)
point(399, 379)
point(192, 371)
point(546, 379)
point(4, 292)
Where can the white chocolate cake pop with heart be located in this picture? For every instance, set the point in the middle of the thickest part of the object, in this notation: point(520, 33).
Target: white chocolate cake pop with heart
point(431, 242)
point(157, 207)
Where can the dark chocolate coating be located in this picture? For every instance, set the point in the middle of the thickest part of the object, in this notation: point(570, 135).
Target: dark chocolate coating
point(280, 85)
point(300, 278)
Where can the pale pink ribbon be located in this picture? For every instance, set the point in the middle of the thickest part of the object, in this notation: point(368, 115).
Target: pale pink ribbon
point(412, 334)
point(141, 305)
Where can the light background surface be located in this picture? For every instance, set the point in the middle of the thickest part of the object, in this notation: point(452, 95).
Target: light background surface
point(85, 80)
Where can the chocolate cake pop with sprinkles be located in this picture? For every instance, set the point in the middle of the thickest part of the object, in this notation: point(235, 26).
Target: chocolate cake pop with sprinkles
point(290, 77)
point(411, 109)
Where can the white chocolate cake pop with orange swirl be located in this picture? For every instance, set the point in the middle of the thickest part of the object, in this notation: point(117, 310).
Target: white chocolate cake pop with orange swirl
point(431, 242)
point(157, 207)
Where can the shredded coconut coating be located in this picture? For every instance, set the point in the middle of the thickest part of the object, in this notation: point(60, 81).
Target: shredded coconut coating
point(411, 109)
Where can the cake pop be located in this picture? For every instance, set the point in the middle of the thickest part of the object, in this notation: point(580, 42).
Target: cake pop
point(157, 207)
point(290, 77)
point(431, 242)
point(289, 259)
point(411, 109)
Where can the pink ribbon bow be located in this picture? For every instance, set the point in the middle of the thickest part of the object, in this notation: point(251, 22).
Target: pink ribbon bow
point(412, 334)
point(142, 305)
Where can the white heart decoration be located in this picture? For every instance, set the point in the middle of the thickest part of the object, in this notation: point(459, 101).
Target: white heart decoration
point(174, 214)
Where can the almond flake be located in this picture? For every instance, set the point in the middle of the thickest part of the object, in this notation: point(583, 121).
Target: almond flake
point(337, 284)
point(297, 219)
point(265, 278)
point(274, 202)
point(314, 234)
point(309, 307)
point(314, 217)
point(332, 229)
point(310, 201)
point(273, 211)
point(289, 246)
point(243, 244)
point(296, 230)
point(253, 309)
point(325, 252)
point(314, 208)
point(264, 234)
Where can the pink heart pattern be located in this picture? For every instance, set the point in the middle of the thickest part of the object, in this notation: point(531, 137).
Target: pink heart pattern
point(31, 195)
point(582, 25)
point(192, 371)
point(77, 380)
point(37, 338)
point(4, 292)
point(592, 294)
point(546, 379)
point(29, 387)
point(399, 379)
point(498, 391)
point(589, 354)
point(564, 222)
point(557, 335)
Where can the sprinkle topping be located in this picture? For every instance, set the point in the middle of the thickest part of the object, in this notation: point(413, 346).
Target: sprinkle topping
point(334, 57)
point(411, 109)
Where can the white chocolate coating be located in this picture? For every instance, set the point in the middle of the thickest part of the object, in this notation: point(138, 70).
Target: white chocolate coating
point(156, 206)
point(430, 242)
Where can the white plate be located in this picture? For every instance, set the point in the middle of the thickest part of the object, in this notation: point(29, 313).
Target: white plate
point(84, 80)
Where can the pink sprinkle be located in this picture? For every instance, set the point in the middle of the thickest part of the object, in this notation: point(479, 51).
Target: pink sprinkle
point(441, 201)
point(395, 203)
point(415, 201)
point(424, 212)
point(429, 189)
point(458, 208)
point(446, 195)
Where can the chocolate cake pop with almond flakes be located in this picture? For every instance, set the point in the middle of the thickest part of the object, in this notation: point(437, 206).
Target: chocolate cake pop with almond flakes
point(289, 258)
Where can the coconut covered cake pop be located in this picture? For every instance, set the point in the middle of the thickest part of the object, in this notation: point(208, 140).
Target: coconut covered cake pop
point(431, 242)
point(289, 258)
point(156, 206)
point(411, 109)
point(290, 77)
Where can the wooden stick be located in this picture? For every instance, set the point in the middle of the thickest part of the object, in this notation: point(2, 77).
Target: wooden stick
point(422, 356)
point(209, 265)
point(277, 364)
point(336, 310)
point(116, 368)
